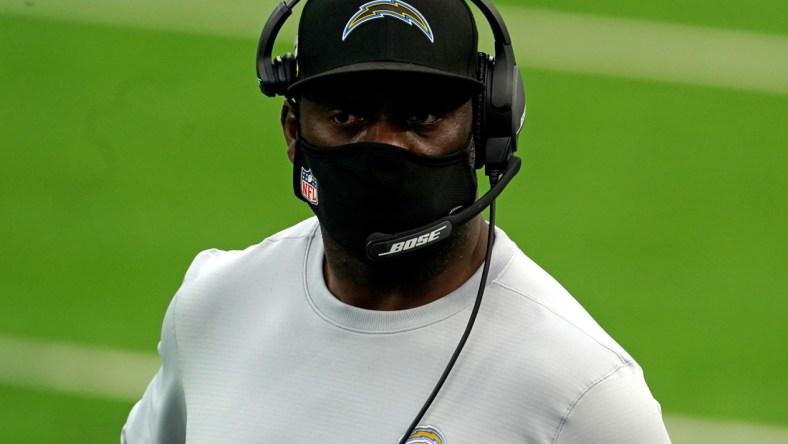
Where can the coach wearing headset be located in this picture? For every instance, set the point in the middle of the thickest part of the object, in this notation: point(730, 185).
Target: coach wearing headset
point(365, 324)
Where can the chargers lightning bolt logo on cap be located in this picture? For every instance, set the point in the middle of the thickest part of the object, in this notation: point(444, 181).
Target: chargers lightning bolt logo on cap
point(388, 8)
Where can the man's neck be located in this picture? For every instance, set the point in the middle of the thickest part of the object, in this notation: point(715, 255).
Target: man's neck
point(411, 282)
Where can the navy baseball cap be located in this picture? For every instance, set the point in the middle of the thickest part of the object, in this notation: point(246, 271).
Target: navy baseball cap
point(427, 37)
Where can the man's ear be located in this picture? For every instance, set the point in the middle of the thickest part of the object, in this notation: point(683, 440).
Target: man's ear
point(289, 120)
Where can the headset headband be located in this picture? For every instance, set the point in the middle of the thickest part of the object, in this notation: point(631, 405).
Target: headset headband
point(504, 54)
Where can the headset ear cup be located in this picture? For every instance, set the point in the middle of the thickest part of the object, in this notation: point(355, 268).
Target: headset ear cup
point(483, 71)
point(502, 123)
point(518, 104)
point(289, 71)
point(284, 68)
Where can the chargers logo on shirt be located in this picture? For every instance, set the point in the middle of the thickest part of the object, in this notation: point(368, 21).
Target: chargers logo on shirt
point(425, 435)
point(388, 8)
point(308, 186)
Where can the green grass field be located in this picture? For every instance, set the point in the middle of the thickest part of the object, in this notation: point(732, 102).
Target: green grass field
point(661, 206)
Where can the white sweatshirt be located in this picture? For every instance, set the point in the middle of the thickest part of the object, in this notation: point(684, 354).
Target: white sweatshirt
point(255, 349)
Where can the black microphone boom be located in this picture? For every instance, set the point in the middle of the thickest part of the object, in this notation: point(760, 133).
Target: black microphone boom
point(382, 247)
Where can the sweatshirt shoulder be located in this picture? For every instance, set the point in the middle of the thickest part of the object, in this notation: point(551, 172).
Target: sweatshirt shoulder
point(217, 278)
point(285, 243)
point(534, 290)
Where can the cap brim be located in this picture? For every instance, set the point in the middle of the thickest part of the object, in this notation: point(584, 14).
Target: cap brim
point(387, 67)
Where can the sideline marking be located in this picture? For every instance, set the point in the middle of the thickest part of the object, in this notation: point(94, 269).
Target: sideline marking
point(122, 375)
point(545, 39)
point(69, 368)
point(686, 430)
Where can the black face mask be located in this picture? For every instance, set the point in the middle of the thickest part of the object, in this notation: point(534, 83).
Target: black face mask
point(363, 188)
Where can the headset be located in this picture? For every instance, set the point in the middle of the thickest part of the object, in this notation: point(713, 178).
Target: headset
point(499, 117)
point(500, 108)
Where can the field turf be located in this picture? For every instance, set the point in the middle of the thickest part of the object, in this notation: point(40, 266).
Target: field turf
point(125, 152)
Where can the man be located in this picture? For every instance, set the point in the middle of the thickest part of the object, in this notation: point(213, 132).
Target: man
point(315, 335)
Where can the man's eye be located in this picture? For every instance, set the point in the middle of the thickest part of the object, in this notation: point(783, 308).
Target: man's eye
point(424, 118)
point(346, 118)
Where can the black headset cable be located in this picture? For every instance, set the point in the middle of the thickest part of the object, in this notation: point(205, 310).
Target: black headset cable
point(494, 175)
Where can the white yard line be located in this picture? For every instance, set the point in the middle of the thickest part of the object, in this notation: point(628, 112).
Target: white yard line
point(70, 368)
point(543, 39)
point(686, 430)
point(650, 50)
point(122, 375)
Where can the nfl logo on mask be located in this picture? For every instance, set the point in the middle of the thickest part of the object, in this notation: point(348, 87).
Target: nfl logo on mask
point(308, 186)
